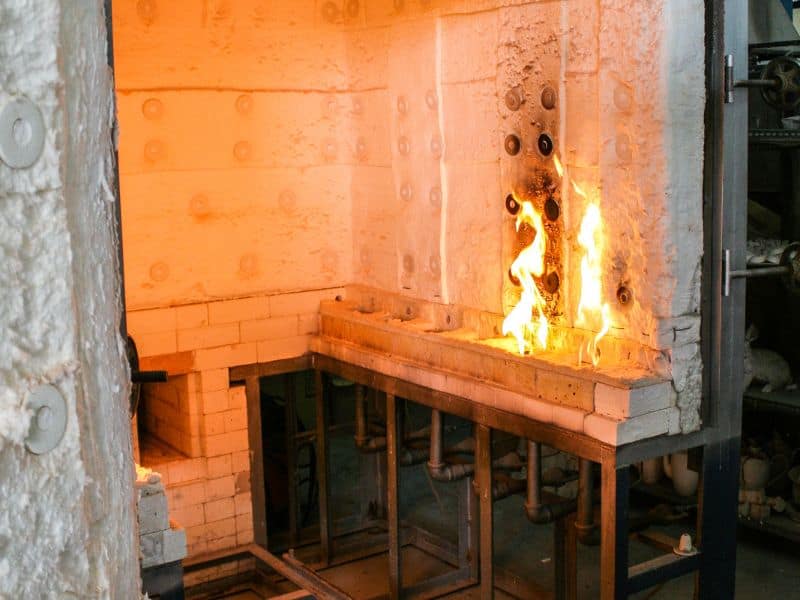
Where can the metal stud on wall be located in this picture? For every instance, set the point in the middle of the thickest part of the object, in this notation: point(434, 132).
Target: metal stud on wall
point(22, 133)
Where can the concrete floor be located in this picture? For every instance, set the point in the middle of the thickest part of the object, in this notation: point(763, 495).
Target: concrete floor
point(765, 570)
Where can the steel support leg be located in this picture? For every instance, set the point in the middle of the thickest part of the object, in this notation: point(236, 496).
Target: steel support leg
point(565, 547)
point(291, 452)
point(393, 496)
point(614, 530)
point(483, 459)
point(716, 520)
point(322, 469)
point(253, 394)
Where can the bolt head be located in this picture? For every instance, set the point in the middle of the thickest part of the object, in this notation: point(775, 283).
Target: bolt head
point(512, 145)
point(549, 98)
point(515, 97)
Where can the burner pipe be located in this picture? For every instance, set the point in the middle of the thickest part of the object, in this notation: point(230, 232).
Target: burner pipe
point(364, 442)
point(537, 511)
point(438, 469)
point(368, 444)
point(584, 522)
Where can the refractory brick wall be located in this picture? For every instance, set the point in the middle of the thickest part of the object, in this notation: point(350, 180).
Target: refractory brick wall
point(200, 415)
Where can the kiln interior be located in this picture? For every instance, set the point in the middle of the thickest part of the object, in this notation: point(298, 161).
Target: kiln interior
point(422, 170)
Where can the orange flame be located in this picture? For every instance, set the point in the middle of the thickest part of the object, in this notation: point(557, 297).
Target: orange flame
point(529, 264)
point(559, 167)
point(592, 311)
point(527, 321)
point(591, 305)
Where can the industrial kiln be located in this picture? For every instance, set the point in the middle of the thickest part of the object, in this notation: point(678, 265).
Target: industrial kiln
point(506, 211)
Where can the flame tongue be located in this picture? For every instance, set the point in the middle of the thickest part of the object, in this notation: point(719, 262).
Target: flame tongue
point(529, 264)
point(527, 321)
point(591, 308)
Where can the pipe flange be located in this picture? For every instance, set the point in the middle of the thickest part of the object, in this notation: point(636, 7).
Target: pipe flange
point(22, 133)
point(49, 419)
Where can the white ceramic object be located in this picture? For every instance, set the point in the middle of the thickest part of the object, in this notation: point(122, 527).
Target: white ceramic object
point(755, 473)
point(792, 123)
point(652, 470)
point(684, 480)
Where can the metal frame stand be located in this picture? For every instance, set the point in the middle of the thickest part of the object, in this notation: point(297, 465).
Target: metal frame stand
point(618, 577)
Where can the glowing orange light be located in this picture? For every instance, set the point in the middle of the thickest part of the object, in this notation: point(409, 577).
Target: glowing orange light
point(591, 307)
point(527, 321)
point(529, 264)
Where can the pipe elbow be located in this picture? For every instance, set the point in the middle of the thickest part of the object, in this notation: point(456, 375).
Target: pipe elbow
point(542, 514)
point(370, 445)
point(587, 535)
point(445, 472)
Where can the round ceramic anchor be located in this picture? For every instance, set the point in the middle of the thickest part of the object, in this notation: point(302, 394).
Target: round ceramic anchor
point(21, 133)
point(49, 419)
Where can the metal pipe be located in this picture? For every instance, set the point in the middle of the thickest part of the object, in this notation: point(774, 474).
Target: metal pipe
point(537, 511)
point(368, 444)
point(299, 574)
point(757, 83)
point(763, 271)
point(584, 523)
point(437, 433)
point(507, 486)
point(365, 443)
point(438, 469)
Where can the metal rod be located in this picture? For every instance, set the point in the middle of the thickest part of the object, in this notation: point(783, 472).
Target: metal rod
point(290, 381)
point(763, 272)
point(438, 469)
point(756, 83)
point(437, 433)
point(534, 474)
point(781, 44)
point(560, 560)
point(299, 574)
point(393, 433)
point(538, 511)
point(614, 532)
point(660, 569)
point(483, 457)
point(255, 440)
point(570, 558)
point(584, 523)
point(361, 416)
point(473, 529)
point(322, 468)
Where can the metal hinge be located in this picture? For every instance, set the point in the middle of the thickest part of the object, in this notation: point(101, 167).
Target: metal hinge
point(730, 83)
point(728, 80)
point(768, 271)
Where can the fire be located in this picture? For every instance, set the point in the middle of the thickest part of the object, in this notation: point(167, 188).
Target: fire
point(528, 265)
point(527, 321)
point(591, 307)
point(559, 167)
